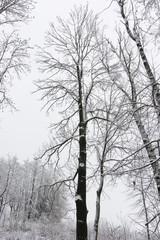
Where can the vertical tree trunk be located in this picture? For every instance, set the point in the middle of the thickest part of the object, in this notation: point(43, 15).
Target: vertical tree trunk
point(32, 194)
point(145, 210)
point(98, 204)
point(81, 232)
point(100, 188)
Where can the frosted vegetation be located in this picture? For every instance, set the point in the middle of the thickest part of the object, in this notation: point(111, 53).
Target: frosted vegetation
point(106, 88)
point(33, 208)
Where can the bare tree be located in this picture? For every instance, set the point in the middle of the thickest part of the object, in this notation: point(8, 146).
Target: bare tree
point(13, 50)
point(14, 11)
point(72, 81)
point(109, 130)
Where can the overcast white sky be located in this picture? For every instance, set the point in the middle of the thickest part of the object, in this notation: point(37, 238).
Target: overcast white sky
point(23, 132)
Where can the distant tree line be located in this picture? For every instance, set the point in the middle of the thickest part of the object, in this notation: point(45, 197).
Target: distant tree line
point(26, 192)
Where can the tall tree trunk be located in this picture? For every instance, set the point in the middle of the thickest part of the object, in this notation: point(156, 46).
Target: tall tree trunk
point(81, 232)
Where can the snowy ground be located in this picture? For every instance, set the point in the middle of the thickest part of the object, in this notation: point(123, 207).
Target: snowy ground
point(42, 230)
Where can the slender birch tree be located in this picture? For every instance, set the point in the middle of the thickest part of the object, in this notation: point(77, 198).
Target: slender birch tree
point(110, 130)
point(136, 36)
point(131, 81)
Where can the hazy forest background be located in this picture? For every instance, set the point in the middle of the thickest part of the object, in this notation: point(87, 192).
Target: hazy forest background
point(96, 74)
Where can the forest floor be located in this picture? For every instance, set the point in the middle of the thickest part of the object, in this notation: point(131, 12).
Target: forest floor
point(36, 230)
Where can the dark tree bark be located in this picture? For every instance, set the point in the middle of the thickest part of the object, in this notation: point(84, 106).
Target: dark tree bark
point(81, 187)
